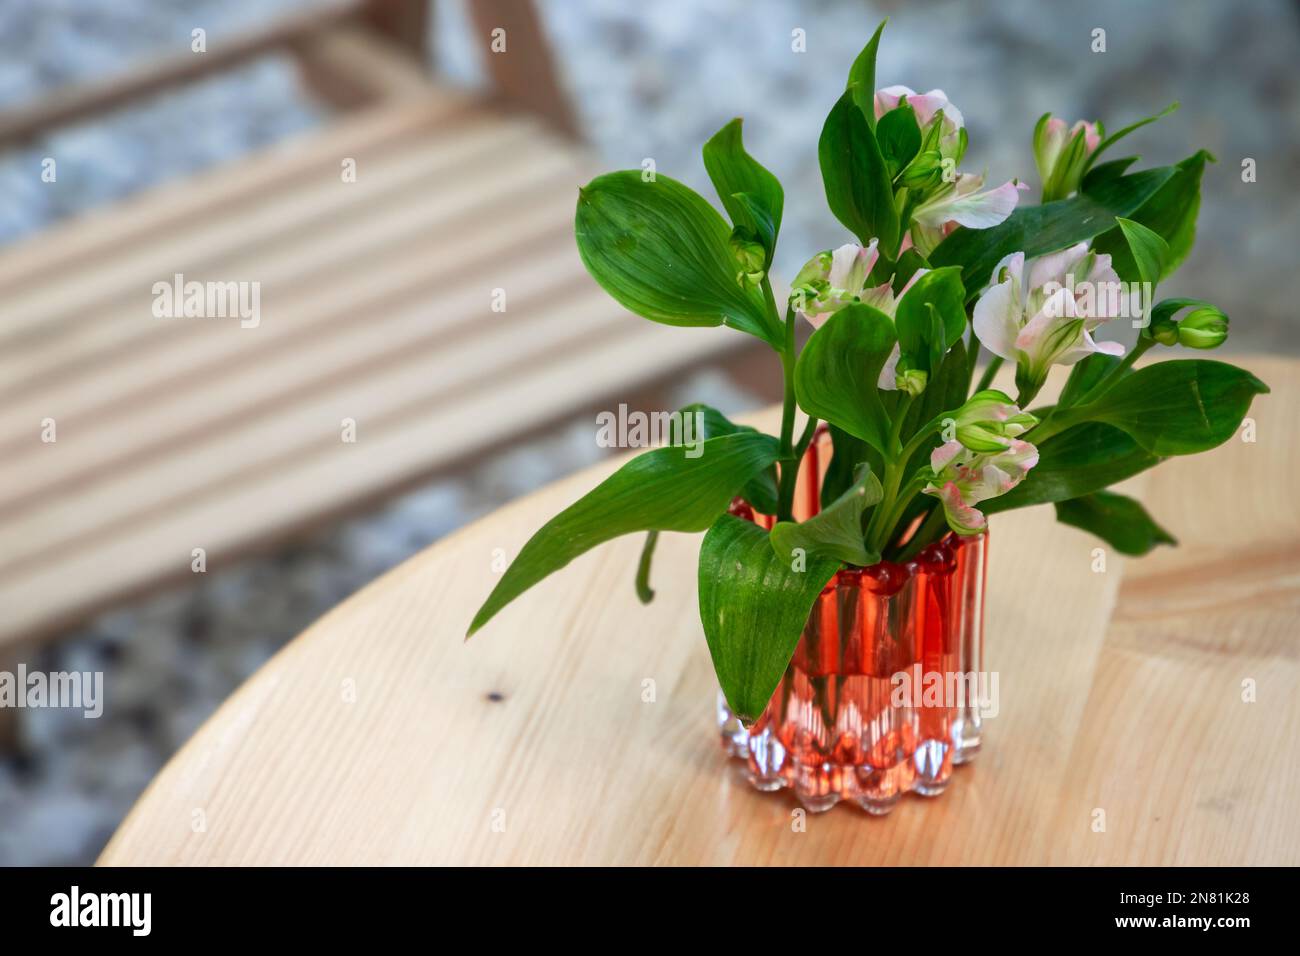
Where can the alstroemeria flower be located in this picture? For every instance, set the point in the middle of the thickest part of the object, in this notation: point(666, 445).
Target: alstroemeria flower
point(946, 200)
point(989, 421)
point(927, 106)
point(831, 280)
point(963, 478)
point(989, 405)
point(961, 203)
point(1059, 158)
point(1043, 313)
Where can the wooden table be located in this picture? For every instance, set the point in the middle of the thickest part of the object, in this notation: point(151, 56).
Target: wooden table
point(379, 737)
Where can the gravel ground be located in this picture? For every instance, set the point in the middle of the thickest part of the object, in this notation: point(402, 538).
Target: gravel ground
point(650, 81)
point(48, 43)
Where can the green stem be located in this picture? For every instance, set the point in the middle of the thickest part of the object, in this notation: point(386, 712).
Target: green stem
point(892, 505)
point(896, 426)
point(809, 429)
point(893, 475)
point(1113, 376)
point(1054, 423)
point(895, 463)
point(1027, 393)
point(643, 589)
point(789, 463)
point(924, 432)
point(903, 499)
point(770, 298)
point(1062, 417)
point(991, 370)
point(785, 496)
point(805, 439)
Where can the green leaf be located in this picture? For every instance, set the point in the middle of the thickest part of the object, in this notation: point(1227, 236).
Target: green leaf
point(1076, 462)
point(713, 421)
point(1148, 253)
point(1085, 375)
point(946, 390)
point(836, 530)
point(1114, 138)
point(1170, 212)
point(662, 251)
point(761, 490)
point(899, 136)
point(847, 453)
point(1118, 520)
point(908, 263)
point(753, 606)
point(1179, 407)
point(660, 490)
point(937, 294)
point(736, 174)
point(1036, 230)
point(862, 77)
point(835, 377)
point(858, 188)
point(1107, 172)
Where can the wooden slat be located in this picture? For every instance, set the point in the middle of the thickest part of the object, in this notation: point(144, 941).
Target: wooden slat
point(355, 335)
point(422, 377)
point(412, 232)
point(257, 222)
point(76, 242)
point(147, 352)
point(1138, 714)
point(158, 548)
point(429, 334)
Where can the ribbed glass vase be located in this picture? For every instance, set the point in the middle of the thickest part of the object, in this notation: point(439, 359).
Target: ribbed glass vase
point(883, 695)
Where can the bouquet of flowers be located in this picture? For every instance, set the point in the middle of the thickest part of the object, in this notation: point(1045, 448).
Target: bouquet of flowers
point(942, 271)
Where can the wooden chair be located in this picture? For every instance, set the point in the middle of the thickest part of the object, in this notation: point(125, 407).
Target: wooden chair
point(377, 298)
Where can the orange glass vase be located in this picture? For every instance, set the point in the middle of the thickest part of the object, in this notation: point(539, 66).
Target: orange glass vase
point(886, 690)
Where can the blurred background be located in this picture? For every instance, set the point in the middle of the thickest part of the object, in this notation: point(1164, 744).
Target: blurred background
point(145, 143)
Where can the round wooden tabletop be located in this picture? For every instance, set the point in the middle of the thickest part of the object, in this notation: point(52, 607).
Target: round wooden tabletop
point(1148, 712)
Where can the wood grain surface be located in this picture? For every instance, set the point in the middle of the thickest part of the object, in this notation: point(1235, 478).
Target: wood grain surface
point(380, 737)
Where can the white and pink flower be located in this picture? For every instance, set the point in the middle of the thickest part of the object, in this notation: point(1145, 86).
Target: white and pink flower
point(955, 199)
point(962, 478)
point(927, 107)
point(1043, 312)
point(988, 422)
point(1061, 160)
point(831, 280)
point(962, 203)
